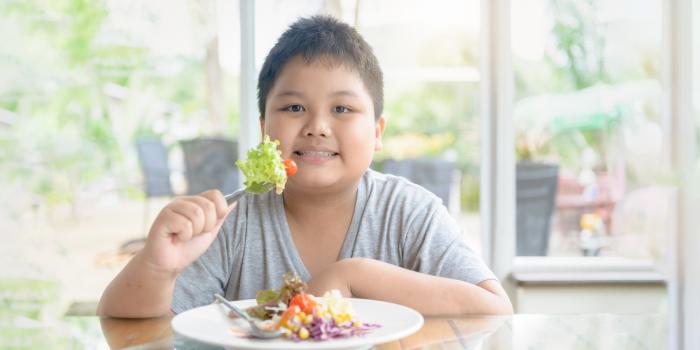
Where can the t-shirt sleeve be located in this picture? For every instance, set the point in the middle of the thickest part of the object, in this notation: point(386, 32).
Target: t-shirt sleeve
point(433, 244)
point(209, 274)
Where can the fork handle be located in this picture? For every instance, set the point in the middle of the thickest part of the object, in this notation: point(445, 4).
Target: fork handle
point(235, 196)
point(234, 308)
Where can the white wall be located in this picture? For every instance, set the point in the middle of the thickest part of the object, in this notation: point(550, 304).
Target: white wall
point(604, 298)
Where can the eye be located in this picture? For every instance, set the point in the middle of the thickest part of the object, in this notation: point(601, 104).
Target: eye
point(294, 108)
point(341, 109)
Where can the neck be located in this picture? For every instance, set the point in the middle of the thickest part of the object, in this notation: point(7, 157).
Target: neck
point(301, 203)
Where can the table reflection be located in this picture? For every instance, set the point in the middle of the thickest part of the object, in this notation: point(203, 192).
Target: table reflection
point(608, 331)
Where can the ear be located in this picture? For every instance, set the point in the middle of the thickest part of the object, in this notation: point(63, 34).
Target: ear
point(378, 132)
point(262, 128)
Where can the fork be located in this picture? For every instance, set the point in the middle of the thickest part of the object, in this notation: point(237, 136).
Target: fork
point(236, 195)
point(255, 330)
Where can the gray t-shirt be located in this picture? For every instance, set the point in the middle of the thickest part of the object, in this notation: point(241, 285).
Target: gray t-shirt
point(395, 221)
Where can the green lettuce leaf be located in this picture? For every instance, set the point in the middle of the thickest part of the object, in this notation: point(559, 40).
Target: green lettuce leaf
point(292, 286)
point(264, 169)
point(267, 296)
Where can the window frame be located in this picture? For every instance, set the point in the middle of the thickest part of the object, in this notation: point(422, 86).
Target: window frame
point(680, 131)
point(498, 170)
point(250, 134)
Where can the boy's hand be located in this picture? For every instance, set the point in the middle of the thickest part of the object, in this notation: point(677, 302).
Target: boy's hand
point(183, 230)
point(336, 276)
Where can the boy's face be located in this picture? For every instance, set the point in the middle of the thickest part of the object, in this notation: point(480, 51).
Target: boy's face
point(323, 117)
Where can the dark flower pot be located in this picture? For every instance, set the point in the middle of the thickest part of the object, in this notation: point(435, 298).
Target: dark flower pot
point(536, 189)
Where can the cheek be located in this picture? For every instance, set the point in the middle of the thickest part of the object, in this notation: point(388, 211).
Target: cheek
point(276, 133)
point(286, 146)
point(363, 144)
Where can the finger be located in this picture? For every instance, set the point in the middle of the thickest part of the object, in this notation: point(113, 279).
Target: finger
point(229, 208)
point(192, 211)
point(201, 242)
point(216, 197)
point(208, 210)
point(221, 221)
point(178, 225)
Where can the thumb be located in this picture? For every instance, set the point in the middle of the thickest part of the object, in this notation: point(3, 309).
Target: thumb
point(221, 220)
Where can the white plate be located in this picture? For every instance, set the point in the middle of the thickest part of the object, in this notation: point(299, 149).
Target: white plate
point(209, 324)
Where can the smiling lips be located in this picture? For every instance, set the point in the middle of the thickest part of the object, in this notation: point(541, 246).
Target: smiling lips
point(315, 156)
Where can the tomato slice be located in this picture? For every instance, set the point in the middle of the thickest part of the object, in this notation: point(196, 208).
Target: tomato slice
point(304, 302)
point(290, 166)
point(292, 310)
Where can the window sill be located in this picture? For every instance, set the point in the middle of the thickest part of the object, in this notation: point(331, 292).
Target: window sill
point(580, 270)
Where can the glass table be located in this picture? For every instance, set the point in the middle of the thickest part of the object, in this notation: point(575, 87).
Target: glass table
point(526, 331)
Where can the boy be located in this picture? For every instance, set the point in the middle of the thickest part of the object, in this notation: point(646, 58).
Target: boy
point(338, 225)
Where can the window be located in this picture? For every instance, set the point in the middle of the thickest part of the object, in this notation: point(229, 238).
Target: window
point(592, 175)
point(107, 74)
point(696, 70)
point(81, 82)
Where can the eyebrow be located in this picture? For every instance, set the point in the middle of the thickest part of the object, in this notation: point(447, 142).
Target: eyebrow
point(344, 93)
point(291, 93)
point(294, 93)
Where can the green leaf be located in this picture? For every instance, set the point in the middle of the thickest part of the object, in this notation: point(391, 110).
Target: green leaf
point(264, 169)
point(267, 296)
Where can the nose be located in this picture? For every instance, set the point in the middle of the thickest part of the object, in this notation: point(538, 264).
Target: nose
point(318, 124)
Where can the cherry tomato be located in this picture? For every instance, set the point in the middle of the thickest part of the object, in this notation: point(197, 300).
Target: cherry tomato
point(304, 302)
point(290, 166)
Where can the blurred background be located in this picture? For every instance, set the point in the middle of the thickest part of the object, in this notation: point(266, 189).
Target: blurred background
point(109, 109)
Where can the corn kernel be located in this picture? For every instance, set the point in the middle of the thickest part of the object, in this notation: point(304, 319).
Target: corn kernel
point(308, 319)
point(341, 318)
point(303, 333)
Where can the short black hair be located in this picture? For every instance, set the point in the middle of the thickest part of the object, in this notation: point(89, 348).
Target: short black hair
point(321, 37)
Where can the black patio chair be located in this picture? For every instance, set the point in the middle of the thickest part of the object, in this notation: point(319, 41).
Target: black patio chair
point(155, 170)
point(153, 159)
point(536, 189)
point(210, 163)
point(439, 176)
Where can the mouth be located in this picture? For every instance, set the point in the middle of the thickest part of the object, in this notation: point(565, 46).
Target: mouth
point(315, 156)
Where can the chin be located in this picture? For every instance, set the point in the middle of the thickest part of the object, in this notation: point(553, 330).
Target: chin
point(313, 181)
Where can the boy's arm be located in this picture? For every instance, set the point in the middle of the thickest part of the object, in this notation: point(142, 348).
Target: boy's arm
point(138, 292)
point(428, 294)
point(181, 233)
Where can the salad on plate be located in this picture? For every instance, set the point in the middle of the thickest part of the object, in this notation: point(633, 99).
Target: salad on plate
point(302, 316)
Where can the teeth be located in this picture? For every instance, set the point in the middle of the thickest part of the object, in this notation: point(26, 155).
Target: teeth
point(315, 153)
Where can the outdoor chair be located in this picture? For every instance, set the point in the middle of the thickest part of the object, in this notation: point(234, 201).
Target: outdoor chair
point(155, 169)
point(153, 159)
point(438, 176)
point(210, 163)
point(536, 188)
